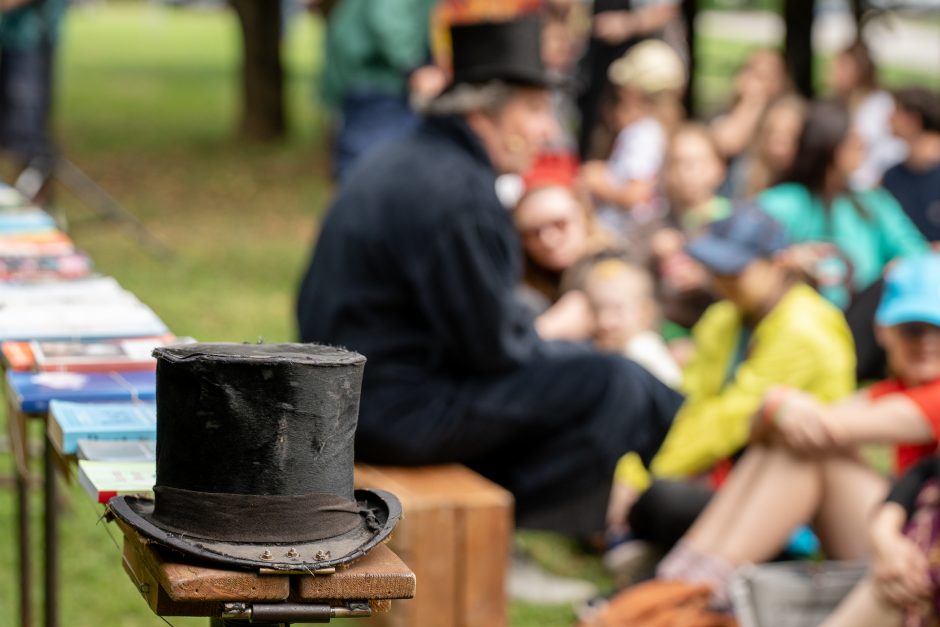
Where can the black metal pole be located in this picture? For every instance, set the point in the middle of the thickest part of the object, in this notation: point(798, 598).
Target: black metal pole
point(51, 534)
point(19, 443)
point(23, 539)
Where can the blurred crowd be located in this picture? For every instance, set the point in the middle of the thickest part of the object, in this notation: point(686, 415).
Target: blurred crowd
point(771, 263)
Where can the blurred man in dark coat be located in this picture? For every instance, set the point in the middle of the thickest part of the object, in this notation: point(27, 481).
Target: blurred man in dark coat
point(417, 267)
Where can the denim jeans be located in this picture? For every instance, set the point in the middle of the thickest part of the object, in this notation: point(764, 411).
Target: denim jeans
point(26, 101)
point(368, 119)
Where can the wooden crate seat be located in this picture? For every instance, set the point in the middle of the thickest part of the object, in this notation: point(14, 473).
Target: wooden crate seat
point(455, 535)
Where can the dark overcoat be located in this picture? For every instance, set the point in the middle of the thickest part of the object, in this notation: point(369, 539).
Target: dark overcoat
point(417, 267)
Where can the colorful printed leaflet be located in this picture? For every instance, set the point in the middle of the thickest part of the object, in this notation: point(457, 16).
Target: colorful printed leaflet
point(28, 268)
point(32, 391)
point(117, 450)
point(45, 243)
point(75, 321)
point(25, 220)
point(71, 422)
point(121, 355)
point(103, 480)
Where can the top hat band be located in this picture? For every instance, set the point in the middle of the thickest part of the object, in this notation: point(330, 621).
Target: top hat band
point(254, 518)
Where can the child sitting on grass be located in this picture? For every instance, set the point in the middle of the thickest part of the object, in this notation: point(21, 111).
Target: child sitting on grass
point(692, 174)
point(903, 581)
point(769, 330)
point(648, 82)
point(802, 464)
point(622, 299)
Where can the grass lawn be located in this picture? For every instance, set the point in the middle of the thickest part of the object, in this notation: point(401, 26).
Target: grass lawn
point(147, 106)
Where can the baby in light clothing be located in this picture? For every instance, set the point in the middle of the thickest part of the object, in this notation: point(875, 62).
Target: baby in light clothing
point(622, 299)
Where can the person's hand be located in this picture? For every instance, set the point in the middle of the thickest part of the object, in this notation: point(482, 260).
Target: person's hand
point(622, 498)
point(665, 242)
point(899, 569)
point(803, 259)
point(803, 424)
point(614, 27)
point(762, 422)
point(752, 89)
point(425, 83)
point(571, 318)
point(593, 175)
point(682, 274)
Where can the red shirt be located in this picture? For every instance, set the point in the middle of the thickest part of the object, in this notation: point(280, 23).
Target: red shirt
point(927, 398)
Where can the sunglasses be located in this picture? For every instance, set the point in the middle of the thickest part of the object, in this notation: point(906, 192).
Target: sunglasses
point(533, 232)
point(917, 330)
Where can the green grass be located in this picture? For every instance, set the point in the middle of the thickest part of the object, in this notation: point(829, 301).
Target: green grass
point(148, 106)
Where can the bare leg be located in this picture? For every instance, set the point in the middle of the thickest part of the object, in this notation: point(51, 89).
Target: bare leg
point(851, 493)
point(863, 608)
point(766, 498)
point(711, 525)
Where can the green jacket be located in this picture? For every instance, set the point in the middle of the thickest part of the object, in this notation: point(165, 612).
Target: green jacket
point(28, 26)
point(372, 45)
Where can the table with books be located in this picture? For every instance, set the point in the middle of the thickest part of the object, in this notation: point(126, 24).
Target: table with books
point(69, 336)
point(76, 349)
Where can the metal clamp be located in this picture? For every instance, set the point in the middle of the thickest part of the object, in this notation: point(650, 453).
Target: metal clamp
point(294, 612)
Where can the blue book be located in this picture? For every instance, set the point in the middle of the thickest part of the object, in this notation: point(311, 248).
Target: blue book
point(70, 422)
point(32, 391)
point(25, 220)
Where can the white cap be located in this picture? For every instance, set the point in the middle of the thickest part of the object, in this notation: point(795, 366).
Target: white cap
point(651, 66)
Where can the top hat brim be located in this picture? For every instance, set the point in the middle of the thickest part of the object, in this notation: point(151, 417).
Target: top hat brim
point(521, 77)
point(380, 512)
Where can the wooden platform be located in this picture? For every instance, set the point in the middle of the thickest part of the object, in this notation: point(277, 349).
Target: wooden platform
point(172, 587)
point(455, 534)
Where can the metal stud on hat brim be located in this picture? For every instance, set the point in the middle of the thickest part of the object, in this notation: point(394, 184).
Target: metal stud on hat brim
point(255, 458)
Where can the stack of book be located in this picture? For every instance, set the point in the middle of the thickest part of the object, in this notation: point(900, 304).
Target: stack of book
point(32, 248)
point(78, 346)
point(91, 308)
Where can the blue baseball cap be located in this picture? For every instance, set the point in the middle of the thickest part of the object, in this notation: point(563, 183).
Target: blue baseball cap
point(729, 245)
point(912, 292)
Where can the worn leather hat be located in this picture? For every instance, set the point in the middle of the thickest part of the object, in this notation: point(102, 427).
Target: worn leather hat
point(255, 458)
point(509, 51)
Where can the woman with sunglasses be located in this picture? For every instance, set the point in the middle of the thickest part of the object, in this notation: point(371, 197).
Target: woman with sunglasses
point(558, 231)
point(803, 466)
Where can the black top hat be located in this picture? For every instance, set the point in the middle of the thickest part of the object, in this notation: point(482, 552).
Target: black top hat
point(255, 458)
point(509, 50)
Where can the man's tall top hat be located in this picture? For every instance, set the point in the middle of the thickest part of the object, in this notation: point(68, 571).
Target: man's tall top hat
point(255, 458)
point(510, 51)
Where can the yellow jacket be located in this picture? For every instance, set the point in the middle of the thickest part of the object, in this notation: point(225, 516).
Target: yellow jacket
point(803, 343)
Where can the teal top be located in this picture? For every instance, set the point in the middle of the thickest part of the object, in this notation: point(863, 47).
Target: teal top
point(372, 45)
point(28, 26)
point(869, 243)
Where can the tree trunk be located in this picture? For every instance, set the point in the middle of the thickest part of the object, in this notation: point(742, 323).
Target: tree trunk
point(798, 16)
point(689, 13)
point(263, 117)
